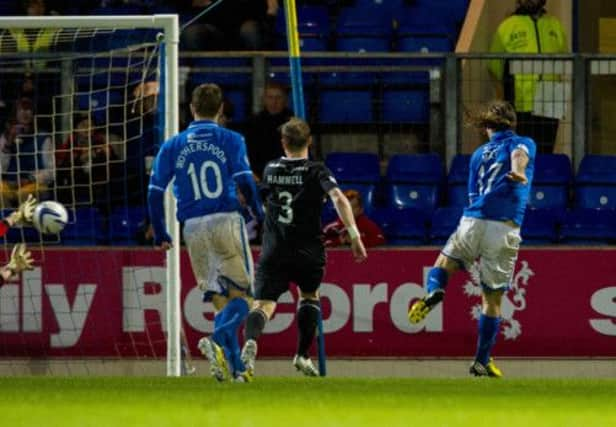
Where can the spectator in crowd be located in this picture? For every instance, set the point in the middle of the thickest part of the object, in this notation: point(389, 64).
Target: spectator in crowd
point(233, 24)
point(262, 131)
point(26, 157)
point(371, 234)
point(30, 39)
point(85, 163)
point(530, 30)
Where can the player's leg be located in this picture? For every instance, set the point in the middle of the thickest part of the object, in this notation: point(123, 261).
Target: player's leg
point(235, 275)
point(202, 259)
point(308, 279)
point(307, 317)
point(487, 330)
point(459, 251)
point(271, 281)
point(499, 252)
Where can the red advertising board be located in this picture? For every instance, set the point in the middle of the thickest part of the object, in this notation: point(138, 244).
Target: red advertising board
point(110, 302)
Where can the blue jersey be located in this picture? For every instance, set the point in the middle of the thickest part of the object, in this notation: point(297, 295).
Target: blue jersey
point(491, 194)
point(206, 160)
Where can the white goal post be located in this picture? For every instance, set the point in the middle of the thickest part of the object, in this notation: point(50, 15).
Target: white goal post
point(169, 26)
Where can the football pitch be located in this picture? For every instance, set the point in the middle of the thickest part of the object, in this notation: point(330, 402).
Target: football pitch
point(295, 402)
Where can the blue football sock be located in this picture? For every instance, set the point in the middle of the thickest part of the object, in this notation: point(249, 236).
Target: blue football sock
point(488, 328)
point(218, 335)
point(437, 279)
point(231, 318)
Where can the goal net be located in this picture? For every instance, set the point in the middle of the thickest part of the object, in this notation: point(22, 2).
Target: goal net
point(84, 105)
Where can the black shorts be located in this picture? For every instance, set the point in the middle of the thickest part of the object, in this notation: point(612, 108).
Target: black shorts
point(275, 274)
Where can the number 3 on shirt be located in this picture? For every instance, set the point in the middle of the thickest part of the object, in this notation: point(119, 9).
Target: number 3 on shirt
point(286, 212)
point(490, 174)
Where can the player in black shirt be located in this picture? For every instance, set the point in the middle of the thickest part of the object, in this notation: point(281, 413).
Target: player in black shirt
point(294, 190)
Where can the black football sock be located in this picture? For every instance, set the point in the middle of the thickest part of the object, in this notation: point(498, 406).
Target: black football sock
point(307, 317)
point(255, 322)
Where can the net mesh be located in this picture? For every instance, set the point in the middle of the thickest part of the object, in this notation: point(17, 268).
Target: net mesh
point(80, 116)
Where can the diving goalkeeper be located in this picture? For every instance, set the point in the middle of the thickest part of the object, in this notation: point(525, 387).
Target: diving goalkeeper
point(22, 216)
point(21, 259)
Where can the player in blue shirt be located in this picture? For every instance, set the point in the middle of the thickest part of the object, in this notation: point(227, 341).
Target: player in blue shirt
point(208, 163)
point(500, 175)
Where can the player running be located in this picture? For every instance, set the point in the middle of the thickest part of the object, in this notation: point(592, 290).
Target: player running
point(208, 163)
point(295, 188)
point(500, 175)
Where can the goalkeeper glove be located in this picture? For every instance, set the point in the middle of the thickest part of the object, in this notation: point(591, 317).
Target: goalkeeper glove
point(24, 213)
point(21, 259)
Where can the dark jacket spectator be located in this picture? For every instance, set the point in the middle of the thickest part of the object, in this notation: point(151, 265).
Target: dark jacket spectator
point(85, 164)
point(262, 133)
point(233, 24)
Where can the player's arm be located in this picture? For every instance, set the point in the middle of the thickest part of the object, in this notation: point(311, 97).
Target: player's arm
point(23, 215)
point(343, 208)
point(162, 172)
point(243, 176)
point(519, 161)
point(21, 259)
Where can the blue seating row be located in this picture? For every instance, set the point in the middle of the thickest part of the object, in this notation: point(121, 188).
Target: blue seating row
point(410, 193)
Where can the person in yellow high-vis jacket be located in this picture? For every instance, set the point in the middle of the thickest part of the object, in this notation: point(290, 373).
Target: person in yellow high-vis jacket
point(529, 30)
point(30, 40)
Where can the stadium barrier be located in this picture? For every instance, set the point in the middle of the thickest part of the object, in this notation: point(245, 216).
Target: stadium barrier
point(112, 304)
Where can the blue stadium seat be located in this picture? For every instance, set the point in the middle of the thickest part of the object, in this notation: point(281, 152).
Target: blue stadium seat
point(356, 171)
point(444, 222)
point(542, 225)
point(364, 21)
point(595, 169)
point(124, 224)
point(388, 5)
point(413, 181)
point(432, 16)
point(457, 181)
point(346, 106)
point(402, 226)
point(551, 181)
point(595, 183)
point(345, 80)
point(224, 76)
point(364, 29)
point(362, 44)
point(311, 21)
point(589, 226)
point(354, 167)
point(85, 227)
point(406, 106)
point(312, 27)
point(424, 43)
point(595, 196)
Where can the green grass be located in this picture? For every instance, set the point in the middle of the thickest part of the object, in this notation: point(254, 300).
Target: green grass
point(54, 401)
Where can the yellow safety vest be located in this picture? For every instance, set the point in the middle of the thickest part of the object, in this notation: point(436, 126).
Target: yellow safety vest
point(523, 34)
point(41, 43)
